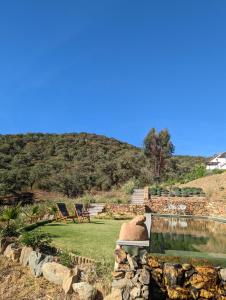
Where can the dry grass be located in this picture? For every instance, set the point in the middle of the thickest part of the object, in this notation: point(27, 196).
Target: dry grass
point(16, 282)
point(214, 186)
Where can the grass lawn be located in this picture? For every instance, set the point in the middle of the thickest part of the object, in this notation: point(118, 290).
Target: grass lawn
point(94, 240)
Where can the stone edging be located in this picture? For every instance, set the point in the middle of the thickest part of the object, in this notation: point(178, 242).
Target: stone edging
point(45, 265)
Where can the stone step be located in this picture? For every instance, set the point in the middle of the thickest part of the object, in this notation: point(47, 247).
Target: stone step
point(95, 208)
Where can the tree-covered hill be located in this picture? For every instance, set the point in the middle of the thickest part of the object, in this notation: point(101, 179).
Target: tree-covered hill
point(76, 162)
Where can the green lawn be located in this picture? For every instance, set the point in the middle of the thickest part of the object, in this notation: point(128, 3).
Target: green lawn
point(95, 240)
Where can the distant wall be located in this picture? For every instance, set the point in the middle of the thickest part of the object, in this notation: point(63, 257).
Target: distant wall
point(125, 209)
point(197, 206)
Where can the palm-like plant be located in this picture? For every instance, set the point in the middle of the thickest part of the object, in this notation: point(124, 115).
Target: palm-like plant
point(10, 214)
point(32, 213)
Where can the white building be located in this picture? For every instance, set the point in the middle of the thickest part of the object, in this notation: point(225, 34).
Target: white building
point(218, 162)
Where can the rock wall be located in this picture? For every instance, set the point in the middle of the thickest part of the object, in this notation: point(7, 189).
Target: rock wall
point(126, 209)
point(138, 275)
point(197, 206)
point(180, 205)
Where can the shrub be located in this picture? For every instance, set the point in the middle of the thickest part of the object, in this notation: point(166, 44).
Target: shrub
point(129, 186)
point(9, 231)
point(10, 214)
point(36, 239)
point(65, 259)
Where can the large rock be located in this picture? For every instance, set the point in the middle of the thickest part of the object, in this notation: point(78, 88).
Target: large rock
point(68, 282)
point(120, 255)
point(135, 230)
point(173, 274)
point(36, 262)
point(144, 277)
point(12, 251)
point(223, 274)
point(55, 272)
point(24, 256)
point(206, 277)
point(84, 290)
point(116, 294)
point(178, 293)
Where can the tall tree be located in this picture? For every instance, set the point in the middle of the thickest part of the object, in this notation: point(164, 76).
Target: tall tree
point(159, 148)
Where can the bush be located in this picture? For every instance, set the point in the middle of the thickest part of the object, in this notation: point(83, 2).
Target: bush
point(36, 239)
point(129, 187)
point(65, 259)
point(9, 231)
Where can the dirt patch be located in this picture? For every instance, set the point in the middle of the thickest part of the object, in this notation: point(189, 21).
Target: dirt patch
point(213, 185)
point(16, 282)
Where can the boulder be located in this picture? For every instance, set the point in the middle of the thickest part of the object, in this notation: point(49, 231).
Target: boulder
point(121, 283)
point(173, 274)
point(132, 262)
point(118, 274)
point(12, 251)
point(135, 230)
point(135, 292)
point(153, 262)
point(206, 277)
point(55, 272)
point(39, 271)
point(144, 277)
point(223, 274)
point(116, 294)
point(68, 282)
point(36, 261)
point(24, 256)
point(120, 255)
point(84, 290)
point(178, 293)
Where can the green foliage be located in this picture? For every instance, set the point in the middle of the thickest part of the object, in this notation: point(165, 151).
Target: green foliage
point(36, 239)
point(176, 191)
point(129, 186)
point(74, 164)
point(65, 259)
point(158, 148)
point(69, 163)
point(217, 171)
point(9, 214)
point(9, 231)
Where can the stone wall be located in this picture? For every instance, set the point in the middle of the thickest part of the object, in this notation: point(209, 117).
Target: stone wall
point(197, 206)
point(179, 205)
point(126, 209)
point(138, 275)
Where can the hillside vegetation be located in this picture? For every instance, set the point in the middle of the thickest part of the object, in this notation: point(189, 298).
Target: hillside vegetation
point(74, 163)
point(213, 185)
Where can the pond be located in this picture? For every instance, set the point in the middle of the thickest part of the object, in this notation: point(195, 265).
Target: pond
point(189, 237)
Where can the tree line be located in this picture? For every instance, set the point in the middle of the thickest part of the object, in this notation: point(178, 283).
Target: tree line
point(78, 162)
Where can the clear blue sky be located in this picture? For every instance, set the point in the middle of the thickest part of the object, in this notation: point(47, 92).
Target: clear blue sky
point(116, 68)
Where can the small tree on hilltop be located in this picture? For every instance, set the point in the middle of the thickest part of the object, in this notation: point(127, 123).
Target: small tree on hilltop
point(159, 148)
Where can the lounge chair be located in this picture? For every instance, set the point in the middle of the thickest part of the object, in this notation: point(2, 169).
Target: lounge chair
point(63, 212)
point(81, 213)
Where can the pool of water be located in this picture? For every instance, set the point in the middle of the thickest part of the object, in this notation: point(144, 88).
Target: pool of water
point(189, 237)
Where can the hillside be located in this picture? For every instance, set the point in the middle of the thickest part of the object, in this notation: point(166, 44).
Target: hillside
point(213, 185)
point(76, 162)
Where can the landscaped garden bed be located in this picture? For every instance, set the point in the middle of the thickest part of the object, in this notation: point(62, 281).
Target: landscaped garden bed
point(176, 192)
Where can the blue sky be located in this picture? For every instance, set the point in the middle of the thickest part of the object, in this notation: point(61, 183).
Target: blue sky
point(116, 68)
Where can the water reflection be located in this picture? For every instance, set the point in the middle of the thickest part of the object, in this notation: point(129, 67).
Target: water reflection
point(170, 235)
